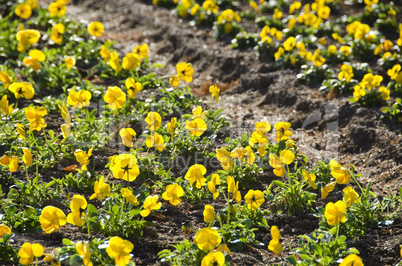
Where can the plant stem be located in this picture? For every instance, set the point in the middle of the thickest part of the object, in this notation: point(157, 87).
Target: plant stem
point(88, 227)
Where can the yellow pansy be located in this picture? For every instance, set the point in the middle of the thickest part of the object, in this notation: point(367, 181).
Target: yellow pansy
point(95, 28)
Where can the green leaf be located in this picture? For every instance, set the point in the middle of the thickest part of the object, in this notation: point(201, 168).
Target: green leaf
point(282, 145)
point(51, 134)
point(50, 184)
point(134, 212)
point(384, 109)
point(67, 242)
point(115, 209)
point(158, 65)
point(75, 260)
point(317, 249)
point(279, 183)
point(92, 211)
point(292, 260)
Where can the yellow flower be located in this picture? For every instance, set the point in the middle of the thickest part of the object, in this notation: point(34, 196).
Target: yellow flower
point(387, 45)
point(310, 178)
point(282, 131)
point(57, 9)
point(345, 50)
point(352, 259)
point(185, 71)
point(20, 130)
point(84, 251)
point(77, 205)
point(215, 180)
point(27, 38)
point(50, 258)
point(23, 11)
point(28, 251)
point(332, 49)
point(233, 187)
point(351, 196)
point(119, 250)
point(156, 141)
point(171, 126)
point(174, 81)
point(129, 196)
point(289, 44)
point(358, 92)
point(6, 79)
point(370, 81)
point(196, 174)
point(35, 117)
point(261, 139)
point(207, 239)
point(101, 189)
point(324, 12)
point(69, 61)
point(104, 52)
point(35, 56)
point(286, 157)
point(370, 3)
point(197, 127)
point(262, 127)
point(141, 50)
point(33, 3)
point(291, 23)
point(264, 34)
point(57, 31)
point(22, 89)
point(150, 203)
point(346, 73)
point(228, 15)
point(335, 213)
point(131, 61)
point(209, 213)
point(5, 160)
point(51, 218)
point(361, 31)
point(173, 194)
point(95, 28)
point(153, 120)
point(114, 62)
point(211, 6)
point(133, 87)
point(254, 199)
point(83, 158)
point(5, 108)
point(125, 167)
point(275, 244)
point(225, 158)
point(385, 93)
point(27, 158)
point(115, 97)
point(394, 71)
point(224, 247)
point(4, 229)
point(328, 188)
point(317, 59)
point(127, 135)
point(13, 165)
point(214, 90)
point(79, 99)
point(294, 6)
point(249, 154)
point(340, 173)
point(216, 258)
point(238, 153)
point(198, 113)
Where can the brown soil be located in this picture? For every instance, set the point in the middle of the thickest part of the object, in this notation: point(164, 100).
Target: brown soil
point(254, 91)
